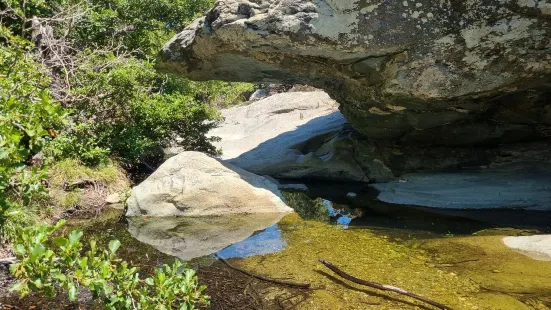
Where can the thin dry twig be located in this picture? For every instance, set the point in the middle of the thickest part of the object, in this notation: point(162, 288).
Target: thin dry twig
point(263, 278)
point(381, 286)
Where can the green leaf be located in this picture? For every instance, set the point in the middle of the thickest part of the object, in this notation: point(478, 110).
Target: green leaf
point(114, 246)
point(37, 251)
point(61, 277)
point(72, 292)
point(149, 281)
point(104, 268)
point(20, 249)
point(61, 242)
point(75, 236)
point(17, 287)
point(38, 283)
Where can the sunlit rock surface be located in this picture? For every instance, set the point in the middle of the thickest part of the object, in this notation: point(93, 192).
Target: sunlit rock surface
point(191, 237)
point(194, 184)
point(512, 186)
point(290, 135)
point(537, 247)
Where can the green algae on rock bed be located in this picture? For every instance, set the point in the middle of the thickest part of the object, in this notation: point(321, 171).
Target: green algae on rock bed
point(373, 257)
point(466, 272)
point(495, 267)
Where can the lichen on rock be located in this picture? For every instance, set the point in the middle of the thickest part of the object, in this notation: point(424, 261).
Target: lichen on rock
point(445, 64)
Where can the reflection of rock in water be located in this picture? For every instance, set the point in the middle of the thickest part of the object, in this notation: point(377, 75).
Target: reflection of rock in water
point(319, 209)
point(308, 208)
point(191, 237)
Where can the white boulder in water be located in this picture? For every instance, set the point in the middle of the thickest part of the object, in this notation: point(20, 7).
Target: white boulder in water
point(194, 184)
point(538, 247)
point(517, 186)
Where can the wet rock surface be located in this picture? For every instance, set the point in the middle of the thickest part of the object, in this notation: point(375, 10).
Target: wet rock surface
point(445, 74)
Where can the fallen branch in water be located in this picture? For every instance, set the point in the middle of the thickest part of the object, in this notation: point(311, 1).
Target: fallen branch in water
point(263, 278)
point(381, 286)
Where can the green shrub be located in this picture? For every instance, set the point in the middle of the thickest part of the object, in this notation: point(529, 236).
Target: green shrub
point(48, 262)
point(136, 25)
point(26, 113)
point(134, 112)
point(120, 106)
point(80, 144)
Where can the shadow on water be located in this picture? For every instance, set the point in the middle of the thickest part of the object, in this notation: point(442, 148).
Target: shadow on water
point(356, 205)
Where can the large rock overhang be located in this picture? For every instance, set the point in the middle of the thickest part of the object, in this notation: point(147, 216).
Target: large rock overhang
point(433, 73)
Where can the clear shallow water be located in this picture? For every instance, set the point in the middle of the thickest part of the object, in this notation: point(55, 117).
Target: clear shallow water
point(456, 258)
point(265, 242)
point(270, 240)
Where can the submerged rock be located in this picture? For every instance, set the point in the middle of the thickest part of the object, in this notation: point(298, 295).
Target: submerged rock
point(191, 237)
point(290, 135)
point(537, 247)
point(445, 73)
point(194, 184)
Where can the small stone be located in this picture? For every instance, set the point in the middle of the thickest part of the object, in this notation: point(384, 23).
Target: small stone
point(351, 195)
point(113, 198)
point(117, 206)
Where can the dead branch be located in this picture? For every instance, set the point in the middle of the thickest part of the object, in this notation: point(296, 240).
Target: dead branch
point(79, 184)
point(263, 278)
point(381, 286)
point(8, 261)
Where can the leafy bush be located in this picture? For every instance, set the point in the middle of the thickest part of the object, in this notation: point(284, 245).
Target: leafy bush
point(48, 262)
point(27, 112)
point(103, 70)
point(79, 144)
point(134, 112)
point(137, 25)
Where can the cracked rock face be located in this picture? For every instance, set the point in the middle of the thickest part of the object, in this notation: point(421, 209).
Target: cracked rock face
point(426, 73)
